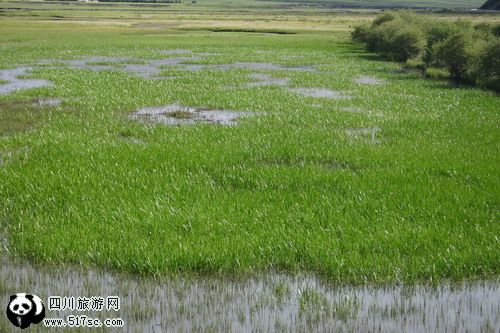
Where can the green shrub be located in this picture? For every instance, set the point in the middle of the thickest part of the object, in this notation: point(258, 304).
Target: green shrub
point(361, 33)
point(464, 25)
point(436, 33)
point(458, 50)
point(496, 30)
point(488, 68)
point(456, 54)
point(415, 63)
point(436, 73)
point(386, 17)
point(397, 40)
point(375, 39)
point(407, 43)
point(483, 27)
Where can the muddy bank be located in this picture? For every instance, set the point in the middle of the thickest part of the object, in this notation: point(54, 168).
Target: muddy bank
point(268, 303)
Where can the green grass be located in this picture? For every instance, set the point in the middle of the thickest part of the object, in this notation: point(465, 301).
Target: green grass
point(287, 189)
point(395, 3)
point(19, 116)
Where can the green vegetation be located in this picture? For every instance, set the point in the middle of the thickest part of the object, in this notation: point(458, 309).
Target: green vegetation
point(19, 116)
point(392, 3)
point(303, 185)
point(470, 54)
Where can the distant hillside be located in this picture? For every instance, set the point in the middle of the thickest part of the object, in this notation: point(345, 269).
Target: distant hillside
point(491, 5)
point(392, 3)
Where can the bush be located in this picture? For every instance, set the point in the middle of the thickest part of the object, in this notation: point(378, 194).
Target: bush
point(361, 33)
point(488, 68)
point(465, 53)
point(375, 40)
point(483, 27)
point(455, 54)
point(380, 37)
point(406, 44)
point(394, 39)
point(496, 30)
point(435, 34)
point(386, 17)
point(436, 73)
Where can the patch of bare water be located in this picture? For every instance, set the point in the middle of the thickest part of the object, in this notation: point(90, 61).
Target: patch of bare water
point(144, 71)
point(49, 102)
point(263, 80)
point(369, 80)
point(15, 80)
point(172, 61)
point(266, 66)
point(97, 63)
point(175, 114)
point(176, 51)
point(151, 68)
point(319, 93)
point(184, 51)
point(265, 303)
point(148, 70)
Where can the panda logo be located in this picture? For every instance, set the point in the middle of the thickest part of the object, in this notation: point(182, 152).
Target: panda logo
point(25, 309)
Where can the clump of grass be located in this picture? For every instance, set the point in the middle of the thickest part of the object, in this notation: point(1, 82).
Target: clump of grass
point(18, 116)
point(345, 308)
point(180, 114)
point(281, 291)
point(242, 317)
point(102, 63)
point(312, 301)
point(437, 73)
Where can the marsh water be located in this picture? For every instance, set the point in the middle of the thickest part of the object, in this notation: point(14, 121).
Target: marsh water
point(265, 303)
point(175, 114)
point(15, 81)
point(319, 93)
point(159, 69)
point(270, 302)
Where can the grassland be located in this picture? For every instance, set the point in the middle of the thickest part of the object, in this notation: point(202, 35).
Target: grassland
point(392, 3)
point(289, 189)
